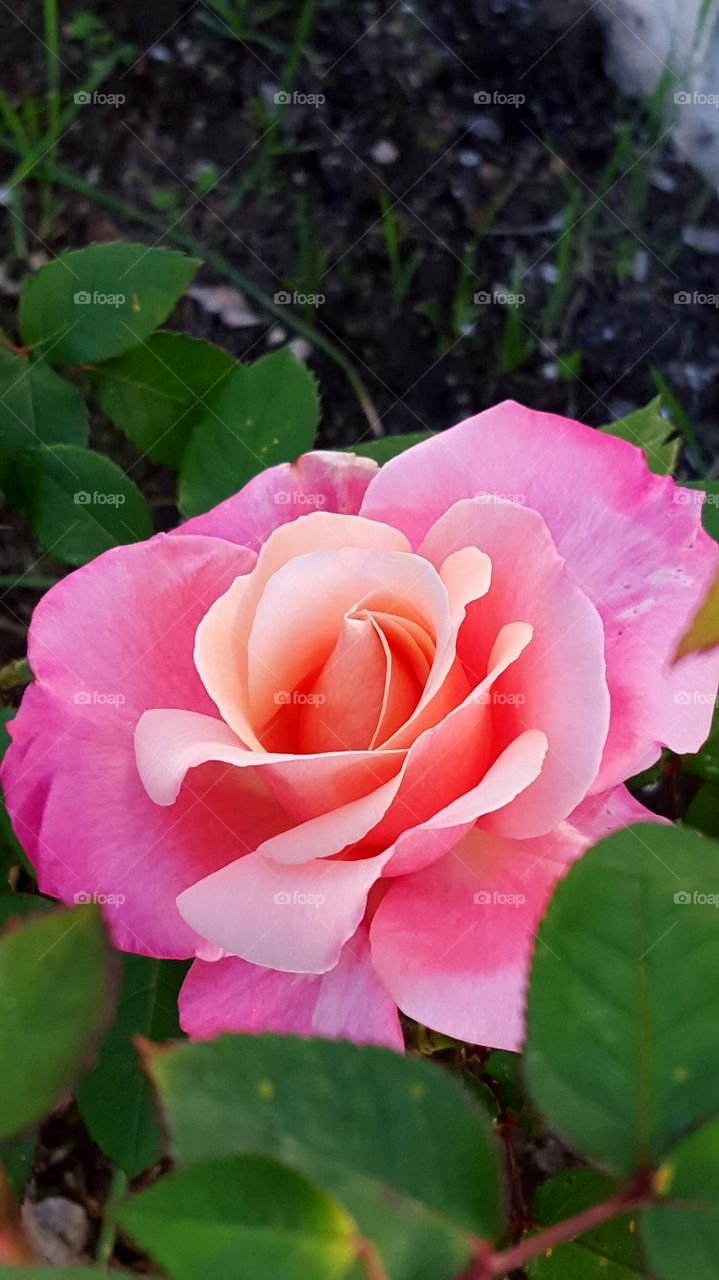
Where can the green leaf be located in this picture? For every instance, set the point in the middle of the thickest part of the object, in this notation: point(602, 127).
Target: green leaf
point(648, 429)
point(402, 1145)
point(703, 631)
point(261, 414)
point(155, 392)
point(94, 303)
point(11, 852)
point(703, 811)
point(115, 1099)
point(705, 764)
point(54, 991)
point(16, 906)
point(710, 505)
point(16, 1157)
point(78, 502)
point(389, 446)
point(610, 1250)
point(241, 1218)
point(681, 1238)
point(621, 1053)
point(36, 407)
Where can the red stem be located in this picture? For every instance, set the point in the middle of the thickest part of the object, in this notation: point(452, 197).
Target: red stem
point(491, 1266)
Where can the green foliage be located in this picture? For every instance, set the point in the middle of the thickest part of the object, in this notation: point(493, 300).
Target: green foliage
point(54, 991)
point(78, 502)
point(36, 407)
point(681, 1238)
point(94, 303)
point(115, 1099)
point(650, 431)
point(242, 1218)
point(156, 393)
point(259, 415)
point(417, 1185)
point(618, 1058)
point(610, 1250)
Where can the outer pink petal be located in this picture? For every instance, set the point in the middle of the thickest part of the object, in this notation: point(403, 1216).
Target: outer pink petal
point(105, 643)
point(451, 948)
point(320, 481)
point(558, 685)
point(632, 540)
point(347, 1003)
point(294, 918)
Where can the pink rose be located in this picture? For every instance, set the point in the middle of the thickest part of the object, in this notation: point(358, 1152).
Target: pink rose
point(339, 737)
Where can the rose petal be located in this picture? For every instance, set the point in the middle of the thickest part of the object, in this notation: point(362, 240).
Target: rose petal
point(104, 643)
point(453, 951)
point(318, 481)
point(346, 1003)
point(292, 918)
point(632, 540)
point(559, 685)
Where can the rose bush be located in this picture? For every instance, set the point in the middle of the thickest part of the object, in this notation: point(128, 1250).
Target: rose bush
point(339, 738)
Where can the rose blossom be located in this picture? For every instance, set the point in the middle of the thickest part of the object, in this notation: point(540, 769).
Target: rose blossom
point(338, 738)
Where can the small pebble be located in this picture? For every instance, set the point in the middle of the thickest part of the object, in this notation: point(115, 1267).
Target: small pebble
point(705, 239)
point(384, 151)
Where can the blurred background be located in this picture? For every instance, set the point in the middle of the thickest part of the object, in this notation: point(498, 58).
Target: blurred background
point(437, 206)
